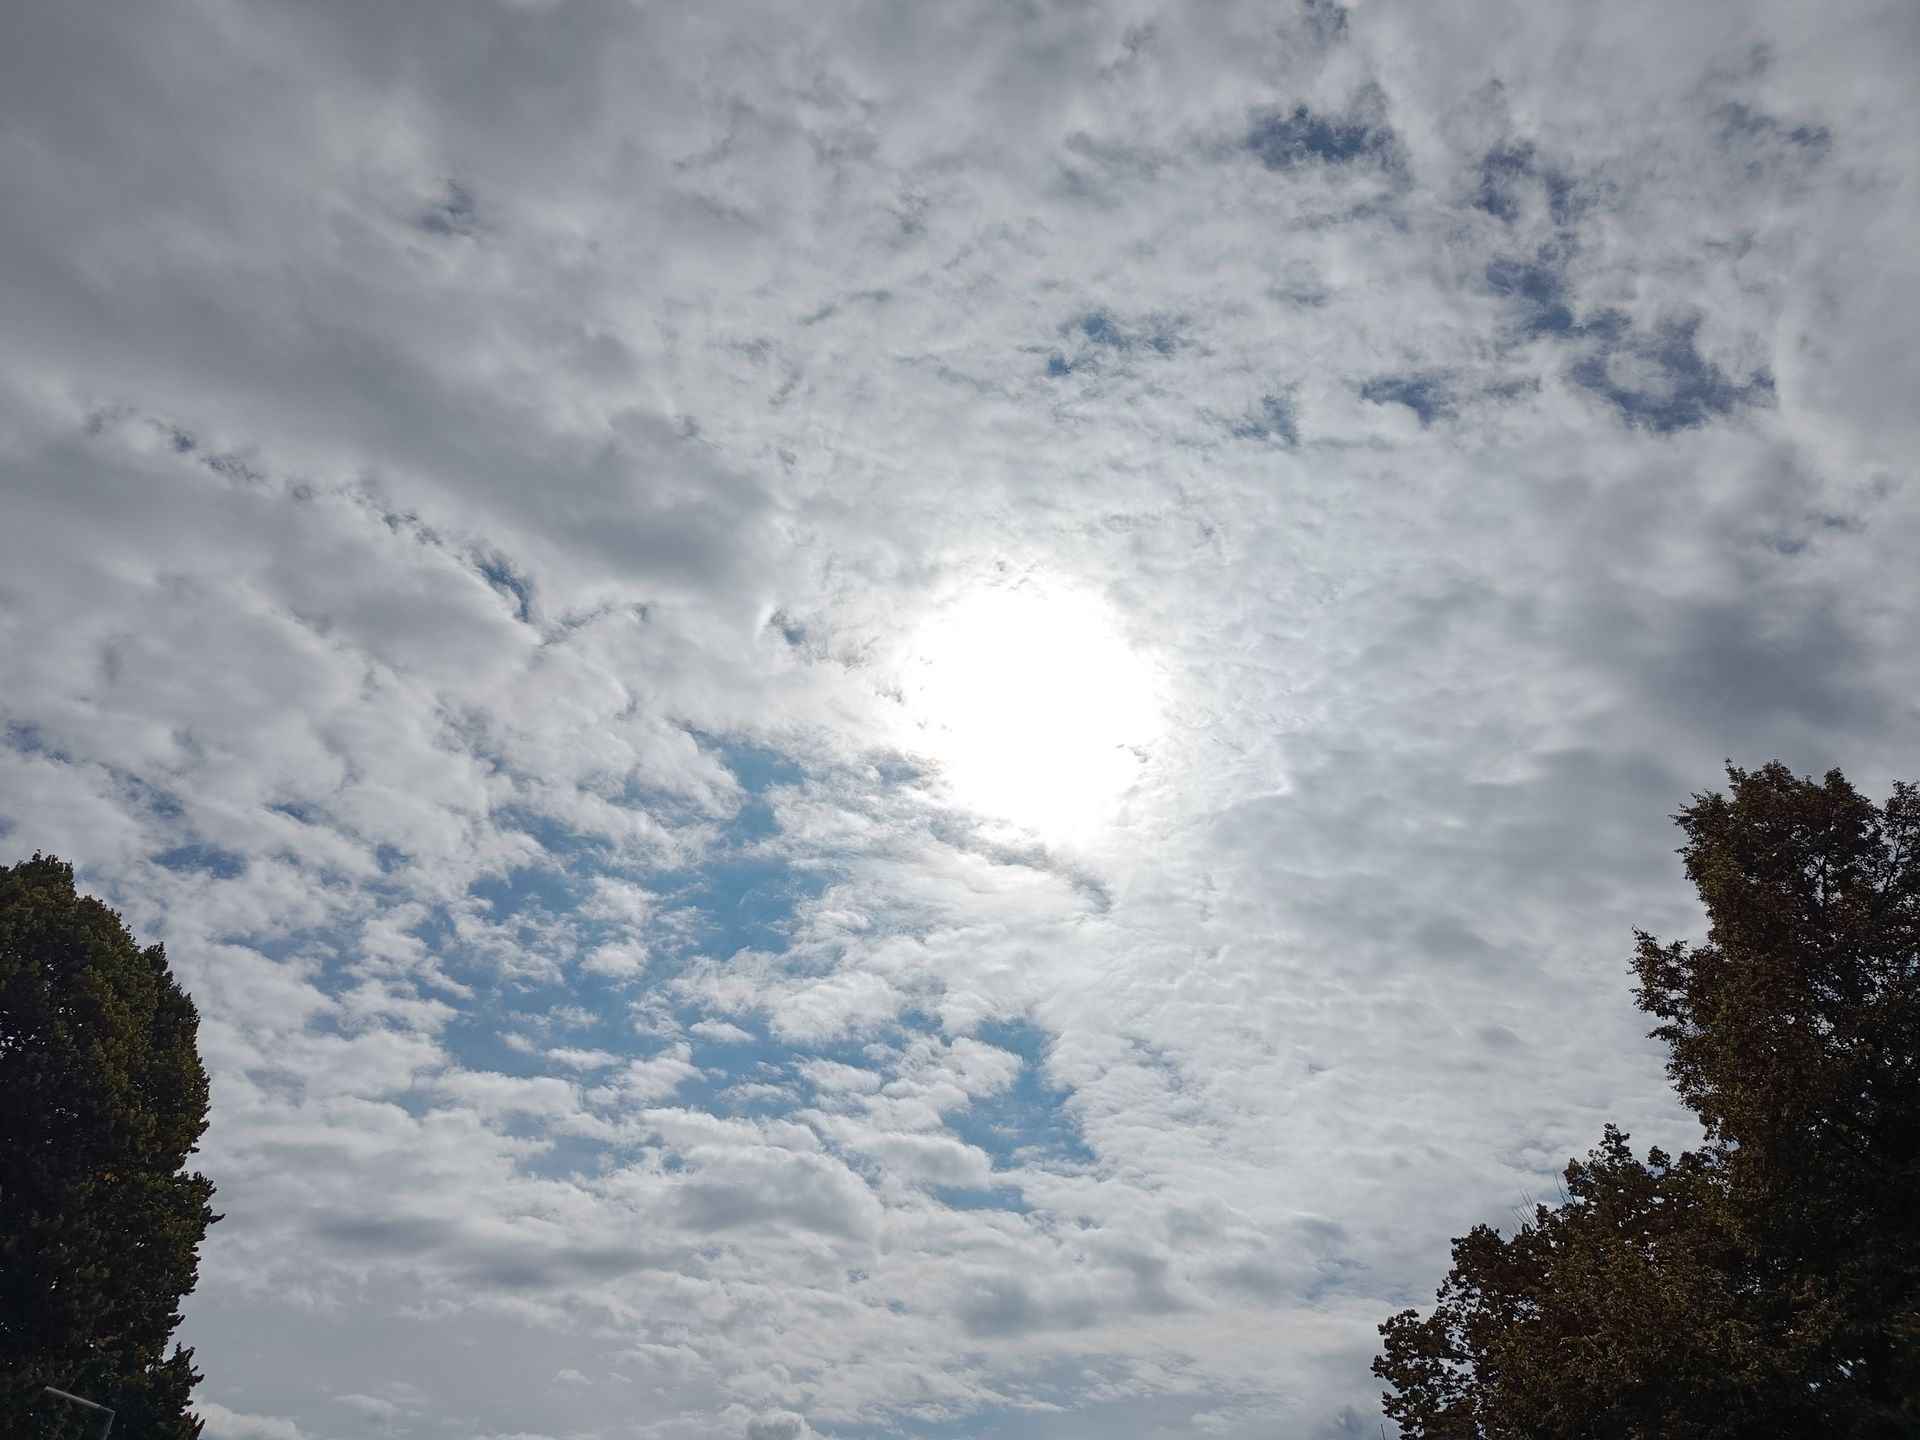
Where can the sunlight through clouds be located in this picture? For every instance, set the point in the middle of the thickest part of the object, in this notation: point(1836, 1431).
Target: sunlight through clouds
point(1032, 705)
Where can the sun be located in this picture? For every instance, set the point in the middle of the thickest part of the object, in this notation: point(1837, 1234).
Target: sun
point(1032, 706)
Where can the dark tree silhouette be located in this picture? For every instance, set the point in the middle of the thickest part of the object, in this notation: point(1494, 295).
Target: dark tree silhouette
point(1767, 1284)
point(102, 1098)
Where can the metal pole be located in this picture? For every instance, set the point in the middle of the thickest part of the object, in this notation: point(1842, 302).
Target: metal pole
point(107, 1411)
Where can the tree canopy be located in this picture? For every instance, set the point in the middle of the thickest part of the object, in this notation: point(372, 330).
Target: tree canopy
point(1768, 1283)
point(102, 1099)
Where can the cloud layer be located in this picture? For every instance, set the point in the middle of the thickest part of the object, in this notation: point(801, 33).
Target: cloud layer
point(473, 476)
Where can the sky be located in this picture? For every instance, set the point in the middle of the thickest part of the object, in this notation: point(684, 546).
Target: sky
point(883, 720)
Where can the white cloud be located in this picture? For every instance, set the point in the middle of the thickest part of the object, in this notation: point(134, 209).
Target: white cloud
point(491, 1093)
point(469, 509)
point(575, 1059)
point(224, 1424)
point(720, 1032)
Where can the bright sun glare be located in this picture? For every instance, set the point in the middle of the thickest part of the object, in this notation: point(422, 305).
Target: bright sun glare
point(1032, 705)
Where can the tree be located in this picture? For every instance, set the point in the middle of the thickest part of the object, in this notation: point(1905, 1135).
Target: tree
point(1767, 1284)
point(102, 1099)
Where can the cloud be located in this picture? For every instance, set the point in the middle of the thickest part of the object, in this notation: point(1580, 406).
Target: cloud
point(471, 506)
point(783, 1425)
point(224, 1424)
point(720, 1032)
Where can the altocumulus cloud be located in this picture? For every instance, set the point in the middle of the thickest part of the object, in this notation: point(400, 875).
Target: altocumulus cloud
point(473, 475)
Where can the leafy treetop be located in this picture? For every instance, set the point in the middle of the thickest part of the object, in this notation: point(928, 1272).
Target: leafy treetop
point(1767, 1284)
point(102, 1099)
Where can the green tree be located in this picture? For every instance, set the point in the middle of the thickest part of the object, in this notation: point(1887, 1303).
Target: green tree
point(102, 1099)
point(1767, 1284)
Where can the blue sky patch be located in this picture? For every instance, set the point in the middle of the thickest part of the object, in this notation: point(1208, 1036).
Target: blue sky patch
point(1030, 1120)
point(1327, 20)
point(203, 859)
point(1538, 289)
point(1682, 389)
point(1096, 333)
point(1767, 148)
point(1502, 171)
point(1276, 417)
point(1284, 140)
point(1425, 395)
point(499, 572)
point(1509, 172)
